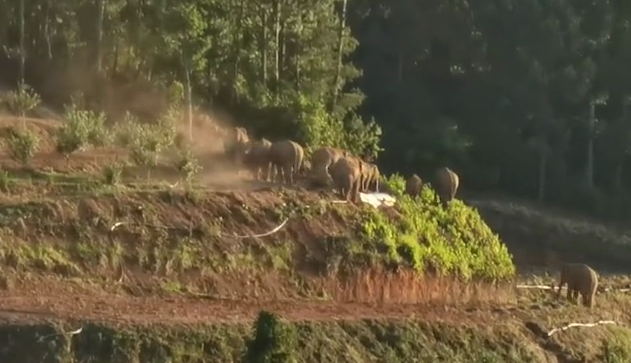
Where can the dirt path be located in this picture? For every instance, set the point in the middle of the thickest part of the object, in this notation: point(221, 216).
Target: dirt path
point(120, 309)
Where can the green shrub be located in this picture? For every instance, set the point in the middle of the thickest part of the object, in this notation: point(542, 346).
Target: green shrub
point(395, 183)
point(6, 183)
point(188, 165)
point(126, 129)
point(72, 136)
point(21, 144)
point(146, 144)
point(23, 100)
point(166, 126)
point(112, 173)
point(81, 128)
point(274, 341)
point(426, 237)
point(617, 349)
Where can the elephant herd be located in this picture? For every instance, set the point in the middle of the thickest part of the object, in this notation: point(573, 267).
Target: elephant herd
point(284, 161)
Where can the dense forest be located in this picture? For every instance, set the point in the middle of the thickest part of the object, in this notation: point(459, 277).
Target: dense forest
point(528, 97)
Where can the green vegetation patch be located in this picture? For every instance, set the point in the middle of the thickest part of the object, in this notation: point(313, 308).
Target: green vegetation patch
point(270, 340)
point(424, 236)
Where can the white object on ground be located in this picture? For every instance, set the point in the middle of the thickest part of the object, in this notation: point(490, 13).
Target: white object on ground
point(377, 199)
point(588, 325)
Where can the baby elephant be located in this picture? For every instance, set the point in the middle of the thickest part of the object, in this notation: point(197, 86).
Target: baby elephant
point(446, 185)
point(414, 186)
point(579, 278)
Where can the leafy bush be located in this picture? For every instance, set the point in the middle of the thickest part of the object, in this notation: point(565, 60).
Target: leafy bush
point(81, 128)
point(395, 183)
point(273, 341)
point(126, 130)
point(112, 174)
point(428, 238)
point(21, 144)
point(175, 94)
point(617, 348)
point(166, 126)
point(23, 100)
point(146, 144)
point(188, 165)
point(6, 183)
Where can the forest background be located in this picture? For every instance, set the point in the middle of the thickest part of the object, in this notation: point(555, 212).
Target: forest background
point(529, 98)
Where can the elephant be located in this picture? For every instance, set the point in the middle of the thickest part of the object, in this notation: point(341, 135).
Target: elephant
point(287, 158)
point(321, 160)
point(346, 175)
point(236, 144)
point(579, 278)
point(447, 183)
point(414, 186)
point(371, 177)
point(257, 159)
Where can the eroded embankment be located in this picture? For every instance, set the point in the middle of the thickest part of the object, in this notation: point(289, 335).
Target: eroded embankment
point(229, 243)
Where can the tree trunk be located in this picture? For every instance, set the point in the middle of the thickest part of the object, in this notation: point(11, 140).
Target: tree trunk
point(238, 41)
point(340, 50)
point(22, 19)
point(47, 20)
point(189, 100)
point(589, 168)
point(98, 41)
point(115, 60)
point(277, 9)
point(263, 45)
point(284, 38)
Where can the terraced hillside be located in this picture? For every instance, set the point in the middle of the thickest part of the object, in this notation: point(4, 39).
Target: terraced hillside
point(145, 270)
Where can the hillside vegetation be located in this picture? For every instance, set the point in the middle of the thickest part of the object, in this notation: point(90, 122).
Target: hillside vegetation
point(174, 270)
point(132, 229)
point(187, 237)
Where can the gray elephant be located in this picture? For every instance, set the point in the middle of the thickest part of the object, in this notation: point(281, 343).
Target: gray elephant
point(446, 185)
point(579, 278)
point(321, 160)
point(257, 159)
point(346, 175)
point(287, 158)
point(236, 144)
point(414, 186)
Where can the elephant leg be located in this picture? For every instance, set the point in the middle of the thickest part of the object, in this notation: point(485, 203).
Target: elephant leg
point(259, 172)
point(293, 172)
point(265, 175)
point(287, 174)
point(280, 175)
point(275, 173)
point(589, 300)
point(343, 192)
point(348, 188)
point(356, 197)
